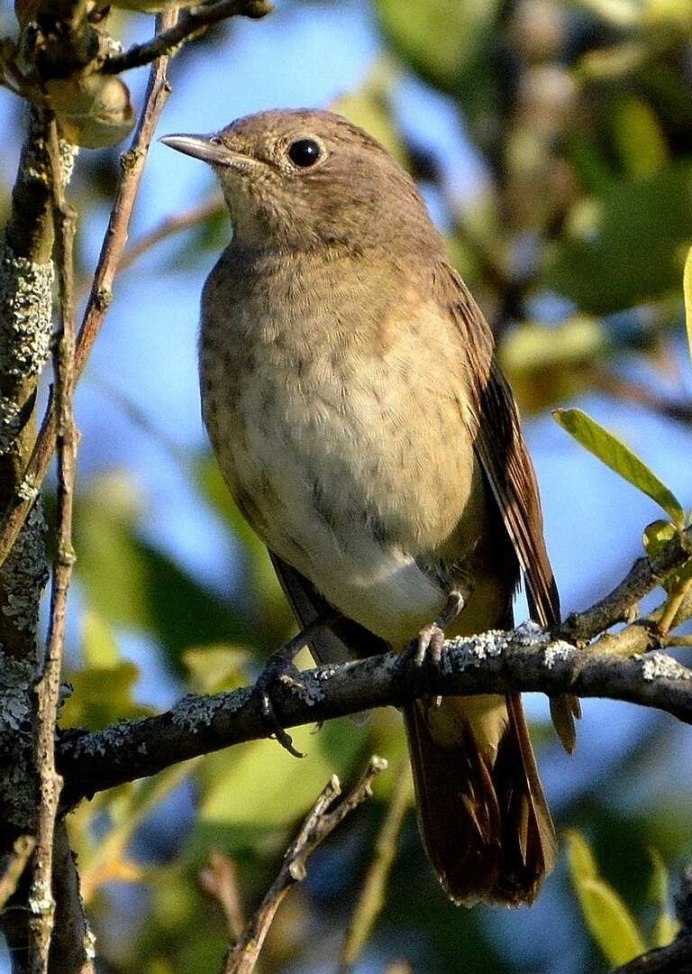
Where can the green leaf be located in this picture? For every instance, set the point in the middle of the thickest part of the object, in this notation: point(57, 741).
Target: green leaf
point(639, 138)
point(369, 107)
point(216, 668)
point(99, 646)
point(687, 291)
point(247, 795)
point(666, 926)
point(613, 452)
point(93, 707)
point(454, 45)
point(438, 38)
point(648, 220)
point(657, 536)
point(607, 918)
point(130, 583)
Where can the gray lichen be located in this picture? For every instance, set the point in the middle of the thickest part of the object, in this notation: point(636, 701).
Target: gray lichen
point(10, 423)
point(558, 652)
point(25, 315)
point(192, 713)
point(25, 573)
point(656, 666)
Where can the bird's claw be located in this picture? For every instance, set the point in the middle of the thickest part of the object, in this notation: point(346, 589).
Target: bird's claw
point(428, 645)
point(278, 670)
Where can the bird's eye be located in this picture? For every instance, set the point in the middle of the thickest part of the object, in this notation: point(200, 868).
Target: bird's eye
point(304, 152)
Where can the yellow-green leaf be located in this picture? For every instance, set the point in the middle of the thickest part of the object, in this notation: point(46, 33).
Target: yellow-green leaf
point(616, 455)
point(687, 291)
point(657, 535)
point(639, 137)
point(607, 918)
point(666, 926)
point(99, 646)
point(582, 864)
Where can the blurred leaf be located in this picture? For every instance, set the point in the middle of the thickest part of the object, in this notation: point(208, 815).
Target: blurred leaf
point(251, 794)
point(267, 608)
point(628, 250)
point(216, 668)
point(605, 914)
point(619, 458)
point(456, 46)
point(99, 646)
point(102, 696)
point(618, 13)
point(440, 39)
point(666, 926)
point(129, 583)
point(368, 106)
point(687, 291)
point(548, 364)
point(639, 137)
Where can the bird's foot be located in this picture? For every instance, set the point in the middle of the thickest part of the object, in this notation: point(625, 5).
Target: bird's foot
point(428, 647)
point(280, 670)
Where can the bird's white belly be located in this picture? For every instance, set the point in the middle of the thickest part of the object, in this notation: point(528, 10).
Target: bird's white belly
point(312, 487)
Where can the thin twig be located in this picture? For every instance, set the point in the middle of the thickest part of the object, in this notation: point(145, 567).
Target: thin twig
point(369, 904)
point(176, 36)
point(170, 226)
point(220, 880)
point(321, 822)
point(13, 865)
point(132, 166)
point(617, 606)
point(47, 688)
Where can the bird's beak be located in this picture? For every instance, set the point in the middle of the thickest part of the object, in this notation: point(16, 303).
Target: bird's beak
point(208, 148)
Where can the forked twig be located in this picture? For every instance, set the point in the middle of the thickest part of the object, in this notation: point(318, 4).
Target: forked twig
point(320, 822)
point(170, 40)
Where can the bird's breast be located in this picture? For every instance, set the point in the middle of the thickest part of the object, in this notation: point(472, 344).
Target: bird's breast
point(339, 426)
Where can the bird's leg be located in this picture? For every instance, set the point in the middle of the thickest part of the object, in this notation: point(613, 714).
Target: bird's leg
point(430, 640)
point(280, 668)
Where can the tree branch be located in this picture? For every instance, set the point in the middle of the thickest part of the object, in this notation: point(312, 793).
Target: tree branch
point(321, 821)
point(132, 167)
point(495, 662)
point(618, 605)
point(47, 689)
point(183, 31)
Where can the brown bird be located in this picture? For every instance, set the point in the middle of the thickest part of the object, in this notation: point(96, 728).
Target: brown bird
point(353, 401)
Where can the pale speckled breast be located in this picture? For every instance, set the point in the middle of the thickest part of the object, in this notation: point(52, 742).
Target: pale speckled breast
point(340, 434)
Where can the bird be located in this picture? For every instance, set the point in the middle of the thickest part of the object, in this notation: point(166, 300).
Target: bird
point(354, 402)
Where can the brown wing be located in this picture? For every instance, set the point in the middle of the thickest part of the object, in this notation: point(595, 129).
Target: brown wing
point(501, 449)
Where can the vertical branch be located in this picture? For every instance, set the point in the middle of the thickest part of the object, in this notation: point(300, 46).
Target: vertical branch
point(132, 166)
point(47, 688)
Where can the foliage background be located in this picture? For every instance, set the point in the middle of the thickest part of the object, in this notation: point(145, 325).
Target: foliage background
point(553, 141)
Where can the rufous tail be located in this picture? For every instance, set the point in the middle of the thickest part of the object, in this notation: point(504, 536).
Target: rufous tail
point(482, 813)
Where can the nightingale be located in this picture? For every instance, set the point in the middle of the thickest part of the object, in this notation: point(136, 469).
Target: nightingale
point(352, 398)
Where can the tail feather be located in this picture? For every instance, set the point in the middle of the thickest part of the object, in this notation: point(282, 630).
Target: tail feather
point(482, 813)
